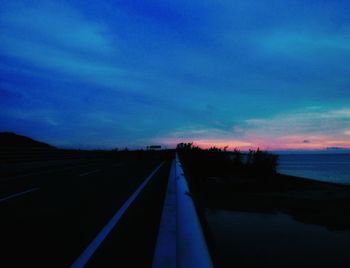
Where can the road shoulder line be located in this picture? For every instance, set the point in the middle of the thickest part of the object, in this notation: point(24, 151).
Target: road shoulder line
point(82, 260)
point(19, 194)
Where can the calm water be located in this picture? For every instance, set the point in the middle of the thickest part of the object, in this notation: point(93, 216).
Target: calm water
point(325, 167)
point(275, 240)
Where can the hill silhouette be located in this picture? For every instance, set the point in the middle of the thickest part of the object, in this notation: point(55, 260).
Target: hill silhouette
point(12, 140)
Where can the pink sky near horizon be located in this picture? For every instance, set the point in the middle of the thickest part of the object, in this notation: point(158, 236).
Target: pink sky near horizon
point(283, 143)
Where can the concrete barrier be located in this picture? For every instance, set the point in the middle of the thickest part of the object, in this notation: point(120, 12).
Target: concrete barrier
point(191, 248)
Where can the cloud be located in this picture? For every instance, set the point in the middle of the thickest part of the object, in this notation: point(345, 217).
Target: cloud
point(309, 120)
point(239, 73)
point(56, 25)
point(56, 38)
point(49, 118)
point(293, 44)
point(324, 127)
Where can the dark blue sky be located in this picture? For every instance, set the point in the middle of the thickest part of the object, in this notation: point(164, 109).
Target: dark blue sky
point(244, 73)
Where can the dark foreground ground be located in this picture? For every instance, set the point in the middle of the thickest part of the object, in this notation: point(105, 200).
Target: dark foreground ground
point(53, 207)
point(304, 218)
point(53, 203)
point(308, 201)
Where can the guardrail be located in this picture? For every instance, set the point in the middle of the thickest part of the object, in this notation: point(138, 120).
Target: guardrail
point(181, 242)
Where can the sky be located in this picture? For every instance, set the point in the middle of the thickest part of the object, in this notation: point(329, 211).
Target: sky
point(273, 74)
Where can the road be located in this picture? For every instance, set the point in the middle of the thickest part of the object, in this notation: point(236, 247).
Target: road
point(50, 214)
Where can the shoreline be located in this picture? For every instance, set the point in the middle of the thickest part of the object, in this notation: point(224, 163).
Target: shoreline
point(315, 179)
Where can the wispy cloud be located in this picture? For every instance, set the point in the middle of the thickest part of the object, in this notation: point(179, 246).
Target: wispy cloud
point(56, 38)
point(239, 73)
point(56, 25)
point(310, 128)
point(299, 44)
point(320, 127)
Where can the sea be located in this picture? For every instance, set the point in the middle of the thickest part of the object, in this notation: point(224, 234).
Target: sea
point(323, 167)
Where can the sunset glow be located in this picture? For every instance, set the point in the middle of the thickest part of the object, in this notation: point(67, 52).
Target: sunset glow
point(241, 74)
point(284, 143)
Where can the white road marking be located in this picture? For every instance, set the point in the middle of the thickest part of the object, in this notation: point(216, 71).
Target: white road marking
point(43, 172)
point(88, 173)
point(82, 260)
point(18, 194)
point(165, 250)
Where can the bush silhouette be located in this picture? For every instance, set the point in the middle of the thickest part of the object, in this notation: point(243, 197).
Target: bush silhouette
point(216, 162)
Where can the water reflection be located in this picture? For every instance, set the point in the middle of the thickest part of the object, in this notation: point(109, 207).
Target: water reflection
point(243, 239)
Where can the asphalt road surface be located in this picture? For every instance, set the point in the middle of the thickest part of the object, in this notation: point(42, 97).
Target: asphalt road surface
point(51, 212)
